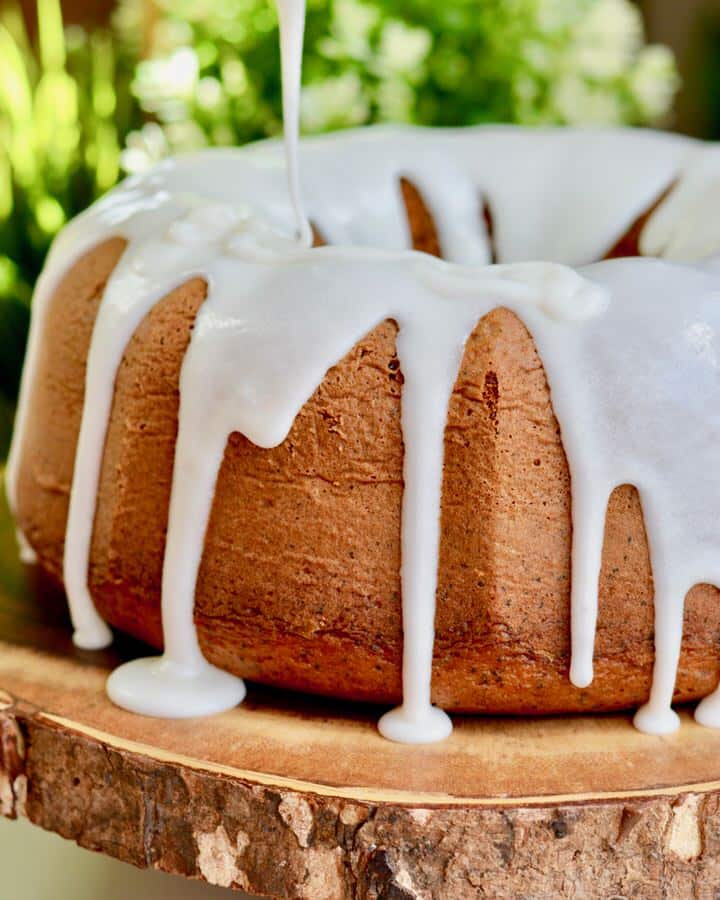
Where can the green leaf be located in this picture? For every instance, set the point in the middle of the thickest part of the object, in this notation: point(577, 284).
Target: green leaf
point(50, 35)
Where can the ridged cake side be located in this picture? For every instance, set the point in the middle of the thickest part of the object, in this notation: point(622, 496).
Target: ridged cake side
point(299, 585)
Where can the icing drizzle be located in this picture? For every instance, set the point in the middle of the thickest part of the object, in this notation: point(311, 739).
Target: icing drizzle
point(631, 350)
point(291, 14)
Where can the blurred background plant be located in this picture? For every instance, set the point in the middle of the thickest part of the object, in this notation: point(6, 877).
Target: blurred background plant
point(65, 109)
point(80, 106)
point(211, 76)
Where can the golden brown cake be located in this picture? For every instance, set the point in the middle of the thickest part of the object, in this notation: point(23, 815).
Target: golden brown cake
point(299, 585)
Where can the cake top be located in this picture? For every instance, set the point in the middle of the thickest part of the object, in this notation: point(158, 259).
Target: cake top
point(558, 194)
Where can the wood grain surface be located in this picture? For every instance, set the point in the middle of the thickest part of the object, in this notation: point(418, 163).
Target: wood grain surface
point(292, 796)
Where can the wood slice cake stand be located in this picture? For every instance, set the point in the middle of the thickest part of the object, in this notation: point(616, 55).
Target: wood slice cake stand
point(299, 797)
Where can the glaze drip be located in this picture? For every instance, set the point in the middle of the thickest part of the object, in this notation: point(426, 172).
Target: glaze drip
point(630, 348)
point(291, 14)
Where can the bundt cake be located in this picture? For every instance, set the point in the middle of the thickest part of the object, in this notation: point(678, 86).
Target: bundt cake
point(300, 397)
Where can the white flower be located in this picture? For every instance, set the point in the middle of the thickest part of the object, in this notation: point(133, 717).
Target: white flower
point(579, 103)
point(395, 99)
point(403, 49)
point(172, 78)
point(598, 61)
point(351, 26)
point(234, 77)
point(143, 149)
point(539, 55)
point(146, 147)
point(209, 93)
point(654, 81)
point(334, 103)
point(612, 22)
point(552, 16)
point(186, 136)
point(606, 40)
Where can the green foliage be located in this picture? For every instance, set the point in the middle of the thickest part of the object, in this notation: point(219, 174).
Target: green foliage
point(61, 130)
point(211, 76)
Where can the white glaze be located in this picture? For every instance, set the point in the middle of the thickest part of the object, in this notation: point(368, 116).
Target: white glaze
point(25, 549)
point(630, 350)
point(291, 14)
point(255, 358)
